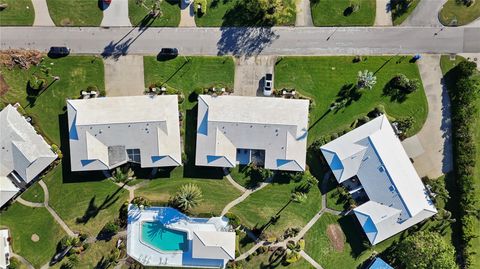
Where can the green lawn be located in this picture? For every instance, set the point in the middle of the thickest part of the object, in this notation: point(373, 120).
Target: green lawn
point(23, 222)
point(18, 13)
point(274, 199)
point(75, 13)
point(159, 191)
point(34, 194)
point(170, 13)
point(76, 196)
point(321, 78)
point(398, 18)
point(262, 261)
point(452, 11)
point(335, 13)
point(76, 73)
point(335, 202)
point(232, 13)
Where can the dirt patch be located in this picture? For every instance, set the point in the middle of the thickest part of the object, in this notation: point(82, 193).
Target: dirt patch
point(3, 86)
point(35, 237)
point(336, 237)
point(20, 58)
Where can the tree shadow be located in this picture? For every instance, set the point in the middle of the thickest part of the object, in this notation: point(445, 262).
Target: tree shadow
point(93, 210)
point(245, 41)
point(396, 95)
point(348, 94)
point(353, 234)
point(102, 5)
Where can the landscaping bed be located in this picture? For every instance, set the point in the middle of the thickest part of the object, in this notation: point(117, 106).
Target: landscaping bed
point(76, 13)
point(170, 16)
point(324, 78)
point(27, 223)
point(343, 12)
point(400, 13)
point(233, 13)
point(18, 13)
point(457, 14)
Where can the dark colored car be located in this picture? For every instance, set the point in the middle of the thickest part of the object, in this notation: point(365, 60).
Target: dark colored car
point(57, 52)
point(167, 53)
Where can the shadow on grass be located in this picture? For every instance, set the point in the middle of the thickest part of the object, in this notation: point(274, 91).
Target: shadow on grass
point(190, 169)
point(353, 234)
point(93, 209)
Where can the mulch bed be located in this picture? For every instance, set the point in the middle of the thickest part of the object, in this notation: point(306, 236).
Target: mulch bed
point(336, 237)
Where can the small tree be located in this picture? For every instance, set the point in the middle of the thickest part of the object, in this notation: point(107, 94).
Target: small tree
point(187, 197)
point(141, 201)
point(299, 197)
point(109, 230)
point(123, 174)
point(366, 79)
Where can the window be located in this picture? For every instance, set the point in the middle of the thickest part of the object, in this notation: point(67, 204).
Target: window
point(133, 155)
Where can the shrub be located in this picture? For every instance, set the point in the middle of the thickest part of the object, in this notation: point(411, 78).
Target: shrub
point(57, 151)
point(203, 6)
point(232, 219)
point(14, 263)
point(109, 230)
point(140, 201)
point(187, 197)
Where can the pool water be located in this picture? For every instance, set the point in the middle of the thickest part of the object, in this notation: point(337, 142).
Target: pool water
point(163, 238)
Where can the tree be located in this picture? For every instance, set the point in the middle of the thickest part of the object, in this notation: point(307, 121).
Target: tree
point(366, 79)
point(122, 174)
point(265, 12)
point(426, 250)
point(310, 179)
point(140, 201)
point(109, 230)
point(465, 69)
point(187, 197)
point(299, 197)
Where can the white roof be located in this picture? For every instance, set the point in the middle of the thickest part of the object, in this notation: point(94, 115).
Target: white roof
point(7, 190)
point(22, 149)
point(375, 155)
point(214, 245)
point(4, 249)
point(276, 125)
point(103, 130)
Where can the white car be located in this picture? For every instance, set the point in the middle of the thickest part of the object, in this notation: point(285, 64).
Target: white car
point(268, 86)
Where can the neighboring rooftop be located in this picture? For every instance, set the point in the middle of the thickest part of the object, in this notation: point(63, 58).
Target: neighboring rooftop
point(208, 243)
point(232, 129)
point(23, 152)
point(373, 153)
point(108, 132)
point(4, 249)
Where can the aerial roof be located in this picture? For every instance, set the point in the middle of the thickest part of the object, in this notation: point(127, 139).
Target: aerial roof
point(214, 245)
point(108, 132)
point(22, 149)
point(277, 126)
point(374, 154)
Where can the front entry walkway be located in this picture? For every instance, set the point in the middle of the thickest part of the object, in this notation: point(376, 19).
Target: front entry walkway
point(116, 14)
point(42, 16)
point(124, 76)
point(435, 135)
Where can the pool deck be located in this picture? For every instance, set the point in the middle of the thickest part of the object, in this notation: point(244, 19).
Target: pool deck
point(173, 219)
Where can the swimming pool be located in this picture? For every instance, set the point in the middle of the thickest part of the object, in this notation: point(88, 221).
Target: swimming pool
point(163, 238)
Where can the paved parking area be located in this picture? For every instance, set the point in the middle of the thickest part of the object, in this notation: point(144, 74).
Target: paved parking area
point(124, 77)
point(250, 72)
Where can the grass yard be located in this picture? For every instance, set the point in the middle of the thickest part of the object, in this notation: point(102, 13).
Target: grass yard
point(238, 174)
point(170, 13)
point(23, 222)
point(84, 202)
point(34, 194)
point(262, 261)
point(256, 211)
point(217, 193)
point(76, 73)
point(75, 13)
point(452, 11)
point(335, 201)
point(337, 12)
point(18, 13)
point(399, 17)
point(321, 78)
point(232, 13)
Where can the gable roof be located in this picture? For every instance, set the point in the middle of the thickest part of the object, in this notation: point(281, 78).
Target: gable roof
point(214, 245)
point(228, 123)
point(22, 149)
point(374, 154)
point(104, 130)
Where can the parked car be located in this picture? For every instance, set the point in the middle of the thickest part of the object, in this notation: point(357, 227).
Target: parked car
point(186, 2)
point(167, 53)
point(57, 52)
point(268, 84)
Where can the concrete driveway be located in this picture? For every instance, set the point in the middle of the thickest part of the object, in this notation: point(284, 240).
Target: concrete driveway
point(425, 14)
point(116, 14)
point(383, 13)
point(124, 76)
point(249, 74)
point(42, 16)
point(304, 14)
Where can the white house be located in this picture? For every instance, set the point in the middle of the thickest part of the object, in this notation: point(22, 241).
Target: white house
point(23, 153)
point(372, 161)
point(235, 130)
point(4, 249)
point(108, 132)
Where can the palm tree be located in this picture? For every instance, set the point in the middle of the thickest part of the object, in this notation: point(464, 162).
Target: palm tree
point(366, 79)
point(140, 202)
point(310, 180)
point(299, 197)
point(122, 174)
point(187, 197)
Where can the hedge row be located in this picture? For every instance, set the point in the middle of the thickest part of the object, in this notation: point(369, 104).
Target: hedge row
point(463, 90)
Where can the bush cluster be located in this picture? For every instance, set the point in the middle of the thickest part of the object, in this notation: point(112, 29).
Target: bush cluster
point(463, 90)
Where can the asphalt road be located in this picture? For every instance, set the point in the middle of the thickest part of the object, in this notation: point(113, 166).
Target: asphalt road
point(115, 42)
